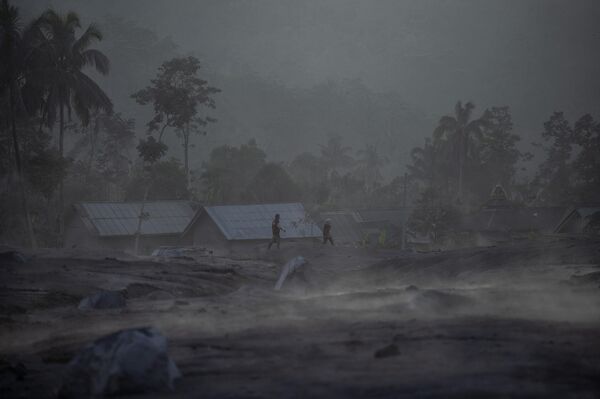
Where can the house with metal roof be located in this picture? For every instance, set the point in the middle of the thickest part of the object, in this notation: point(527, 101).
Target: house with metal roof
point(355, 226)
point(241, 227)
point(113, 225)
point(346, 228)
point(580, 220)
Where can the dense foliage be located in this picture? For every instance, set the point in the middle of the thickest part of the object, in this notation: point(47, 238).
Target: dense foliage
point(63, 139)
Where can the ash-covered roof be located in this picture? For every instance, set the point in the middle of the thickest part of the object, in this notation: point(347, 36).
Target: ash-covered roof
point(580, 220)
point(389, 216)
point(253, 222)
point(109, 219)
point(542, 219)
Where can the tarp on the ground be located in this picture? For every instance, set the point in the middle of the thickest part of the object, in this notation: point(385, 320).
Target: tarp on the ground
point(128, 361)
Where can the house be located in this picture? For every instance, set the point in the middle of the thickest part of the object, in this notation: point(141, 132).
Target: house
point(383, 224)
point(580, 220)
point(243, 227)
point(346, 228)
point(113, 225)
point(506, 223)
point(498, 198)
point(501, 220)
point(358, 226)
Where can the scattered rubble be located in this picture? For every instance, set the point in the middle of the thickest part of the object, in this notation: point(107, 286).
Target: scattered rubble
point(437, 301)
point(13, 257)
point(128, 361)
point(103, 300)
point(386, 351)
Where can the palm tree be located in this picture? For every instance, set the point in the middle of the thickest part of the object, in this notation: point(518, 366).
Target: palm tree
point(335, 155)
point(67, 87)
point(12, 65)
point(459, 131)
point(423, 163)
point(370, 164)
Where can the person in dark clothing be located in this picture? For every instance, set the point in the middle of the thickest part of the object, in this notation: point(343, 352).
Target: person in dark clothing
point(327, 232)
point(276, 229)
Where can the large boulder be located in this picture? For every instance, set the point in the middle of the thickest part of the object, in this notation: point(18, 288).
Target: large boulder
point(128, 361)
point(11, 256)
point(103, 300)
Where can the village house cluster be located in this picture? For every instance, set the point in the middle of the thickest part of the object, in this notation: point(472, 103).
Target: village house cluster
point(241, 228)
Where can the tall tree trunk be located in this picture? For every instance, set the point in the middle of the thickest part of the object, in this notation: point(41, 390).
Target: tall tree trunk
point(461, 160)
point(405, 220)
point(61, 188)
point(17, 154)
point(186, 146)
point(93, 138)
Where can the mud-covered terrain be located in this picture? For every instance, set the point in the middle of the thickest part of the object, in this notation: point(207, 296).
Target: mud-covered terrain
point(519, 320)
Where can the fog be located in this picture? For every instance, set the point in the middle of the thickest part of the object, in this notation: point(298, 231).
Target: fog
point(299, 198)
point(534, 56)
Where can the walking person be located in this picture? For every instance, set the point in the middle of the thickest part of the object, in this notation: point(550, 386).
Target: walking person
point(327, 232)
point(276, 229)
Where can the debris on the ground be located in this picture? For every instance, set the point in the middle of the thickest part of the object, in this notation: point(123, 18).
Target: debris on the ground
point(128, 361)
point(103, 300)
point(19, 370)
point(437, 301)
point(592, 278)
point(159, 295)
point(412, 288)
point(12, 256)
point(181, 253)
point(387, 351)
point(289, 269)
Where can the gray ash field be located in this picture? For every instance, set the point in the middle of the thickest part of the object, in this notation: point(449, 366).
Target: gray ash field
point(519, 320)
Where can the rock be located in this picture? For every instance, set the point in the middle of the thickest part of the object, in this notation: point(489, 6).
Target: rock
point(412, 288)
point(13, 257)
point(128, 361)
point(103, 300)
point(159, 295)
point(139, 290)
point(437, 301)
point(386, 351)
point(592, 278)
point(19, 370)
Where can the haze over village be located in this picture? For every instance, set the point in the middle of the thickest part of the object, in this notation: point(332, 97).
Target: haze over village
point(307, 198)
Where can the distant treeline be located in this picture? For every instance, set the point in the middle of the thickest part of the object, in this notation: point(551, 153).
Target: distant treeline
point(63, 139)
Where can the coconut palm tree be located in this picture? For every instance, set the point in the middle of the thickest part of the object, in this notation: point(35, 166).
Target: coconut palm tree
point(335, 155)
point(12, 65)
point(64, 56)
point(369, 167)
point(459, 131)
point(423, 163)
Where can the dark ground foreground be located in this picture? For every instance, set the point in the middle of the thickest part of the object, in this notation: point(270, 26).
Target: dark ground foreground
point(517, 321)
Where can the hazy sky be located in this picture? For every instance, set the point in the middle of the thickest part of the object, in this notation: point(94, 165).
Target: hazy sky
point(536, 56)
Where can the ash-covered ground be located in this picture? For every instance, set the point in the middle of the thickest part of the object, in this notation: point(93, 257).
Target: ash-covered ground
point(518, 320)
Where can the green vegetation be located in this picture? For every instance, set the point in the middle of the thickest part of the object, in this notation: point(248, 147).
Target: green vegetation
point(64, 140)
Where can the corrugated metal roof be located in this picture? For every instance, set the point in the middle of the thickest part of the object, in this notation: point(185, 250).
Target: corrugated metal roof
point(577, 220)
point(588, 211)
point(391, 216)
point(108, 219)
point(253, 222)
point(543, 219)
